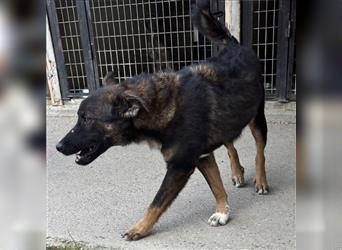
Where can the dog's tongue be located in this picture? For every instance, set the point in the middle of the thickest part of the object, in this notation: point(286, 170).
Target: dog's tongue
point(84, 152)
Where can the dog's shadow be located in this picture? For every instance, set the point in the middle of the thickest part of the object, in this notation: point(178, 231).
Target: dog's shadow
point(195, 210)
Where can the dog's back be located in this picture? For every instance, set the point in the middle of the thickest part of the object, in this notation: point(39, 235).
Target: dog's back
point(221, 96)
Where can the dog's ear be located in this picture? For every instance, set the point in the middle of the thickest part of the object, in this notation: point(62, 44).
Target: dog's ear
point(109, 79)
point(129, 104)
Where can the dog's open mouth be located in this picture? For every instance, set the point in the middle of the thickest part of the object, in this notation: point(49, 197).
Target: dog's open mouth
point(87, 154)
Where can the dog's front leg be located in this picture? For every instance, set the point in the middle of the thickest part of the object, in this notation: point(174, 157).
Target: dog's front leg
point(174, 180)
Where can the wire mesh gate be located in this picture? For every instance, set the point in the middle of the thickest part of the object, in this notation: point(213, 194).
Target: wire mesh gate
point(145, 36)
point(269, 28)
point(128, 37)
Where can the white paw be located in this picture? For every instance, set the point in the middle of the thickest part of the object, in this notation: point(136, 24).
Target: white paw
point(218, 219)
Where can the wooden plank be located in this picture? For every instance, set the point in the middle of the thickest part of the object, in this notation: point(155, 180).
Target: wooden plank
point(57, 46)
point(51, 70)
point(232, 17)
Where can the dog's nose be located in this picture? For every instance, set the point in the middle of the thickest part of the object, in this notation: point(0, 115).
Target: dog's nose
point(60, 147)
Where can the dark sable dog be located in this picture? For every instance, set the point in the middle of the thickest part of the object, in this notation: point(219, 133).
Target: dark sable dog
point(189, 113)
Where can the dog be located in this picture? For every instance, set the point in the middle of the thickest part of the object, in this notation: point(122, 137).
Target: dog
point(189, 113)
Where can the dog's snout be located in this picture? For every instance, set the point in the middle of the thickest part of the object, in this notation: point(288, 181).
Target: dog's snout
point(60, 147)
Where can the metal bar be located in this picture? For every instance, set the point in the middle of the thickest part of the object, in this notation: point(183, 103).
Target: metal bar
point(247, 23)
point(117, 21)
point(92, 43)
point(85, 41)
point(152, 36)
point(139, 36)
point(283, 47)
point(265, 49)
point(164, 31)
point(171, 44)
point(79, 50)
point(157, 34)
point(129, 59)
point(109, 42)
point(258, 31)
point(191, 34)
point(121, 47)
point(103, 42)
point(57, 45)
point(184, 31)
point(97, 39)
point(68, 54)
point(177, 34)
point(146, 42)
point(291, 57)
point(116, 46)
point(133, 41)
point(73, 48)
point(205, 45)
point(273, 45)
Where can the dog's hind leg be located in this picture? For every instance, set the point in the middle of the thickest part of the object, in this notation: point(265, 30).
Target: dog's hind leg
point(258, 127)
point(174, 180)
point(210, 171)
point(237, 171)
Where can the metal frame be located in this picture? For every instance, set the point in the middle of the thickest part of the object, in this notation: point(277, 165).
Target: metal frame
point(89, 39)
point(283, 48)
point(247, 23)
point(82, 21)
point(86, 45)
point(147, 26)
point(66, 36)
point(292, 75)
point(92, 44)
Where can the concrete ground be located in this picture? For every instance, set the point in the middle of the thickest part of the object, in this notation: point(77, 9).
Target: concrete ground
point(93, 205)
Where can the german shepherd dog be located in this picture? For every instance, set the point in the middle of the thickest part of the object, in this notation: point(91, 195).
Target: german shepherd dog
point(189, 113)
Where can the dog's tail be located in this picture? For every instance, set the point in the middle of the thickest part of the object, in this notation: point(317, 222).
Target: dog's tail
point(208, 25)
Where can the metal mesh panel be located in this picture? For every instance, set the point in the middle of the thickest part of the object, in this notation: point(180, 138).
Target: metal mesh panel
point(71, 45)
point(265, 35)
point(135, 36)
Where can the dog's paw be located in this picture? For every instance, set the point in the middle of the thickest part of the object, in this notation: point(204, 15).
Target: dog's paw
point(136, 232)
point(238, 179)
point(261, 187)
point(218, 219)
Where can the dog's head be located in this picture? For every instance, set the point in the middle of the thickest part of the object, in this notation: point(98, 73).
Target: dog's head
point(104, 120)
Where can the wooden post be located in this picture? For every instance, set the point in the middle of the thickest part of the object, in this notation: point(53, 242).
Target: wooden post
point(232, 19)
point(51, 70)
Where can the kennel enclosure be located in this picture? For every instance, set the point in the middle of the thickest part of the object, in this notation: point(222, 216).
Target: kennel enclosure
point(128, 37)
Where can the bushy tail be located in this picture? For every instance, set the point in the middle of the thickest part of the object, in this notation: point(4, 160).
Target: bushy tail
point(208, 25)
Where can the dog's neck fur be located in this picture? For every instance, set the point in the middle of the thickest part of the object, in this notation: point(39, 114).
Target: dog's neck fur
point(159, 91)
